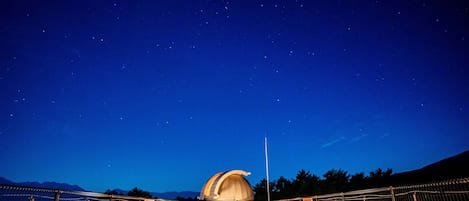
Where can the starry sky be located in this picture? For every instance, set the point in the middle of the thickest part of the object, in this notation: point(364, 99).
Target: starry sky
point(164, 94)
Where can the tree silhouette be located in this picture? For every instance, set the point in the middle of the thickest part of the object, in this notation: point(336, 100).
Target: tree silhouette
point(136, 192)
point(282, 188)
point(335, 181)
point(358, 181)
point(112, 192)
point(379, 178)
point(260, 191)
point(305, 183)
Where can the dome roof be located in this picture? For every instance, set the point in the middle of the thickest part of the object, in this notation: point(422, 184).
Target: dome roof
point(227, 186)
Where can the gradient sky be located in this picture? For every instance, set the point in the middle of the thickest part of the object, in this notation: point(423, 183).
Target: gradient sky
point(164, 94)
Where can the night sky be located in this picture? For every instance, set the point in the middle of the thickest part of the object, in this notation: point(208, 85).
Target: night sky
point(164, 94)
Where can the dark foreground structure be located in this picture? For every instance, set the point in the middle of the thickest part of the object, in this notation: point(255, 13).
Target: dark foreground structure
point(449, 190)
point(22, 193)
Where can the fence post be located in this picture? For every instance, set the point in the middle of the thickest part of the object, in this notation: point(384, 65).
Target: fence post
point(31, 198)
point(415, 196)
point(343, 197)
point(393, 196)
point(57, 195)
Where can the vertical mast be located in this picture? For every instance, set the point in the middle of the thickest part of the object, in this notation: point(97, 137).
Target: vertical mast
point(267, 169)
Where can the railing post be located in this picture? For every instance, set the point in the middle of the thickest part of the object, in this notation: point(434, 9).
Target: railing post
point(393, 196)
point(31, 198)
point(343, 197)
point(57, 195)
point(415, 196)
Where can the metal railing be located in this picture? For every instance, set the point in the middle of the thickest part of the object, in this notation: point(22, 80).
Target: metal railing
point(21, 193)
point(450, 190)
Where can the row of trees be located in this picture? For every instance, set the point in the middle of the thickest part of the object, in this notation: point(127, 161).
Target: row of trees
point(135, 192)
point(307, 184)
point(304, 184)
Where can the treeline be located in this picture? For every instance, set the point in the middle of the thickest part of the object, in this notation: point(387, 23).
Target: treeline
point(304, 184)
point(307, 184)
point(135, 192)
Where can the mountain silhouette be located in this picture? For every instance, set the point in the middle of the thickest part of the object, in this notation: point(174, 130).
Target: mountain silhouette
point(450, 168)
point(5, 181)
point(68, 187)
point(48, 185)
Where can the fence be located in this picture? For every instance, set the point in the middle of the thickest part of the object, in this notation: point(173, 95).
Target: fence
point(18, 193)
point(450, 190)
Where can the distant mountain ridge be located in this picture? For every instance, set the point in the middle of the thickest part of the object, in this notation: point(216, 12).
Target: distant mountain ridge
point(64, 186)
point(49, 185)
point(450, 168)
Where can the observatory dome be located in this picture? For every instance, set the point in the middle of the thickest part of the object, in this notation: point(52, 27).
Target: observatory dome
point(228, 186)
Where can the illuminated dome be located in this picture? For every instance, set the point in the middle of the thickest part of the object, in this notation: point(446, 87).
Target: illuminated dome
point(228, 186)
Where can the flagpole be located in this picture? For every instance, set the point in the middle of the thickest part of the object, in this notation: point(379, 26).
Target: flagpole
point(267, 169)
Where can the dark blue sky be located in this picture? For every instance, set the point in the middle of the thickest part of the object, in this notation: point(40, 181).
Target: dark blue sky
point(163, 94)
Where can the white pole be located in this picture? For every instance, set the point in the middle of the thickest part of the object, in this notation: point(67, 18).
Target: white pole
point(267, 169)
